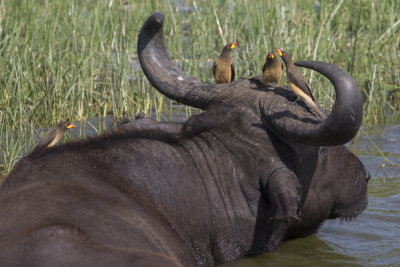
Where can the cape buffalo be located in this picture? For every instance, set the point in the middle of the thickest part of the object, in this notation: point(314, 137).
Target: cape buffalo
point(252, 170)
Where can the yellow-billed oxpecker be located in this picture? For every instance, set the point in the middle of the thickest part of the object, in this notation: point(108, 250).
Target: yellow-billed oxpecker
point(224, 69)
point(53, 135)
point(272, 70)
point(298, 83)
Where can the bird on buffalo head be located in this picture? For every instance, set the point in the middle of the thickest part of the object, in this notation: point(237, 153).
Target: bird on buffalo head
point(53, 135)
point(272, 70)
point(298, 83)
point(223, 69)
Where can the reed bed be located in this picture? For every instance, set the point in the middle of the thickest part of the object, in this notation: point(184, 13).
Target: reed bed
point(78, 59)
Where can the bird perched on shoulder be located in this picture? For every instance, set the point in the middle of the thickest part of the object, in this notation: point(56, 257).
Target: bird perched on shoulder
point(294, 76)
point(53, 135)
point(272, 70)
point(223, 69)
point(297, 82)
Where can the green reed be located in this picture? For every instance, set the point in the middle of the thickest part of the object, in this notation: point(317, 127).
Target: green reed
point(78, 59)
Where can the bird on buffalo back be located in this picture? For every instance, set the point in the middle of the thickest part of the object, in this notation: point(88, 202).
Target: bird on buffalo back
point(223, 68)
point(53, 135)
point(295, 78)
point(298, 83)
point(272, 70)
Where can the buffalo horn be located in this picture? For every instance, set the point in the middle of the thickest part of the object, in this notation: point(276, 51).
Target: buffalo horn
point(168, 78)
point(339, 127)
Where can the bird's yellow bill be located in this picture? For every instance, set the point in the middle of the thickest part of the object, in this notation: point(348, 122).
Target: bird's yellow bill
point(271, 56)
point(234, 45)
point(71, 126)
point(279, 52)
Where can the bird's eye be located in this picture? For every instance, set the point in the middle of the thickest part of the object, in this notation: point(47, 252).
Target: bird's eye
point(283, 53)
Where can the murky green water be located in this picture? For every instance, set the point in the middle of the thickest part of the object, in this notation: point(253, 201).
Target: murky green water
point(372, 239)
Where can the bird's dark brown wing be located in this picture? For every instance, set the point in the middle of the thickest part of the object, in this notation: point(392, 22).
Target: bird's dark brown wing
point(298, 79)
point(47, 138)
point(265, 66)
point(214, 67)
point(232, 72)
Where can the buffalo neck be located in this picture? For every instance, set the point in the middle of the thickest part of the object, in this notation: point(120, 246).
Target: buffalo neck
point(227, 163)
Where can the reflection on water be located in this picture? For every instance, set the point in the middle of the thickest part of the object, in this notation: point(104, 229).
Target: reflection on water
point(310, 251)
point(372, 239)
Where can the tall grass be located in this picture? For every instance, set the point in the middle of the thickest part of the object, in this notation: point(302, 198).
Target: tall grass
point(77, 59)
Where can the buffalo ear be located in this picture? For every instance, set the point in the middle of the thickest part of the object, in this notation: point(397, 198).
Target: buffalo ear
point(282, 189)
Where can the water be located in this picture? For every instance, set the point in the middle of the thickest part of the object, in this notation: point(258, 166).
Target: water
point(372, 239)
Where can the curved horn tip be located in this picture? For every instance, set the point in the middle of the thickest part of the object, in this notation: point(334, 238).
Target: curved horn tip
point(157, 17)
point(346, 116)
point(333, 73)
point(310, 64)
point(153, 23)
point(320, 66)
point(306, 63)
point(151, 29)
